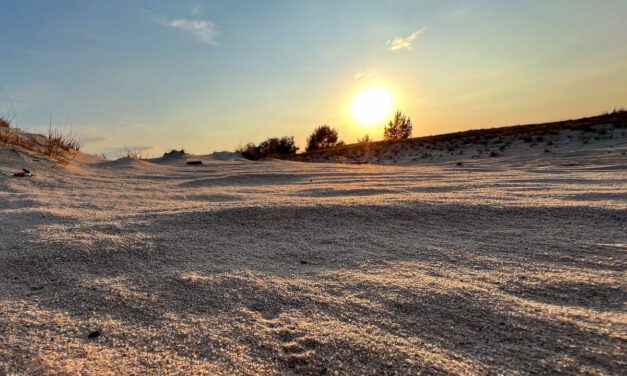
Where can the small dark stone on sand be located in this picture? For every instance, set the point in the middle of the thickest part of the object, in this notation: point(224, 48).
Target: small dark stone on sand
point(303, 262)
point(94, 334)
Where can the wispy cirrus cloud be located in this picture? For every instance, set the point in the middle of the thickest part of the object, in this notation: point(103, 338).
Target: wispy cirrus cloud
point(204, 31)
point(365, 75)
point(401, 43)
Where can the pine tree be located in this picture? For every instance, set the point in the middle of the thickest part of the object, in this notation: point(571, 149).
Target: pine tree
point(399, 128)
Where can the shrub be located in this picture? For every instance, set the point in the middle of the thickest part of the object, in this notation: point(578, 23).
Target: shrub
point(270, 148)
point(173, 152)
point(322, 138)
point(364, 140)
point(278, 146)
point(399, 128)
point(249, 151)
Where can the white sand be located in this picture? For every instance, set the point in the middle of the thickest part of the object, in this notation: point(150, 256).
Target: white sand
point(503, 265)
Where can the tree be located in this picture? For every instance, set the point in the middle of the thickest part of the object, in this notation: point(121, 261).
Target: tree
point(323, 137)
point(399, 128)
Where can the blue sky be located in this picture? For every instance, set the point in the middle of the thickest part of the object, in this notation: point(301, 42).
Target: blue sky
point(210, 75)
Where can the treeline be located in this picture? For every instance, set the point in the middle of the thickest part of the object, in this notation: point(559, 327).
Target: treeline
point(398, 128)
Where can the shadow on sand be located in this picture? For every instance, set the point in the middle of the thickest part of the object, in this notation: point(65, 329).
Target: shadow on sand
point(319, 289)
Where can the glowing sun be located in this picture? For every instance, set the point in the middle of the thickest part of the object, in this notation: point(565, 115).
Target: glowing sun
point(372, 106)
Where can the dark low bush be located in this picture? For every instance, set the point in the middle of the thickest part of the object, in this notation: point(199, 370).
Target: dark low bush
point(270, 148)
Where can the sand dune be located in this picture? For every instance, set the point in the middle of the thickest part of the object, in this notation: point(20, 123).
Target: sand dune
point(507, 265)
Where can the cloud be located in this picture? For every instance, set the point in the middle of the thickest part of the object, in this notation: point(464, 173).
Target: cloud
point(204, 31)
point(365, 75)
point(399, 43)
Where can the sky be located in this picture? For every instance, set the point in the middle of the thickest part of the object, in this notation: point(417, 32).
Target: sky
point(212, 75)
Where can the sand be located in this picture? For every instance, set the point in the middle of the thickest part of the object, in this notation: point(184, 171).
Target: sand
point(510, 265)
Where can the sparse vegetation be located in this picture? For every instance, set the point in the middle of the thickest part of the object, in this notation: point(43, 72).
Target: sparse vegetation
point(323, 137)
point(399, 128)
point(133, 153)
point(617, 110)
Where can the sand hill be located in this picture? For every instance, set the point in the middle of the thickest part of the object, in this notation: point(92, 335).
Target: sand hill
point(506, 264)
point(521, 144)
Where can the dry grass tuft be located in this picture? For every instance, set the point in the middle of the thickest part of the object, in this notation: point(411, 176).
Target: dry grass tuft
point(12, 136)
point(133, 153)
point(59, 146)
point(5, 122)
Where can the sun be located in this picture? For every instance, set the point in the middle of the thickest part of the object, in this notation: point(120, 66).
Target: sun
point(372, 106)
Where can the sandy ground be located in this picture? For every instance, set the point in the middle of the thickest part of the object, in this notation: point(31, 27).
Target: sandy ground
point(500, 266)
